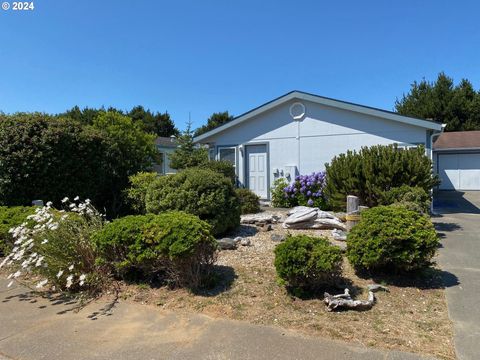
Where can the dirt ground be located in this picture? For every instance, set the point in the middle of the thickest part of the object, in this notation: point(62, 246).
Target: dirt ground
point(411, 317)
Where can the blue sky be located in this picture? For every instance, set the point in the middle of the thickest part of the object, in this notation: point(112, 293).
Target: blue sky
point(207, 56)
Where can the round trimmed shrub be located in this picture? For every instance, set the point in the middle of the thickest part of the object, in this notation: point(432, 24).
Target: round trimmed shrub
point(11, 217)
point(392, 238)
point(249, 201)
point(307, 263)
point(201, 192)
point(174, 244)
point(222, 167)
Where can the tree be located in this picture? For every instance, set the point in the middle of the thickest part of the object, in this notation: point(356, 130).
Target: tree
point(131, 150)
point(457, 106)
point(215, 120)
point(86, 115)
point(187, 153)
point(154, 123)
point(48, 157)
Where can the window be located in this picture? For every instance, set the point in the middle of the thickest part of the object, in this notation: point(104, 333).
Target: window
point(228, 154)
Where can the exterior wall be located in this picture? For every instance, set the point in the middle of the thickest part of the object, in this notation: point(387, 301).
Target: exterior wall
point(305, 146)
point(164, 168)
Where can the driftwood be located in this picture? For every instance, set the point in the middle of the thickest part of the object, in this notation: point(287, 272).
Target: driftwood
point(303, 217)
point(346, 301)
point(262, 218)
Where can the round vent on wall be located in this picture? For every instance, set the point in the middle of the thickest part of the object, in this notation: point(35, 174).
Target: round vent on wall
point(297, 111)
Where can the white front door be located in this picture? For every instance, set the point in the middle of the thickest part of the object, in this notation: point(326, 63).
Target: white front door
point(257, 169)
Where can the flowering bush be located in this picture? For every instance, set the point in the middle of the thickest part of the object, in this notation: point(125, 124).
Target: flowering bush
point(307, 190)
point(56, 246)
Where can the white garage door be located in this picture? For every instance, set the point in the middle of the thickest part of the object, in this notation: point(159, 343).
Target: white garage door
point(459, 171)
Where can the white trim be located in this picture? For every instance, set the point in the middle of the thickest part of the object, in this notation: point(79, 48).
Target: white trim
point(327, 102)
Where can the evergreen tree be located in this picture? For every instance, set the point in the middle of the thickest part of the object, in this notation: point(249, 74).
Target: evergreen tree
point(457, 106)
point(215, 120)
point(187, 153)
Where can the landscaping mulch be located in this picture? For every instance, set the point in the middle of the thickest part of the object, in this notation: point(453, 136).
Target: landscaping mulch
point(411, 317)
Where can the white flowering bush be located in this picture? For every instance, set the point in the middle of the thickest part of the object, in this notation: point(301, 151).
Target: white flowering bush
point(56, 247)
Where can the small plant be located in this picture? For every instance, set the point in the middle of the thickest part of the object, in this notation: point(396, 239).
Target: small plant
point(307, 263)
point(11, 217)
point(249, 201)
point(279, 198)
point(58, 248)
point(137, 191)
point(173, 245)
point(307, 190)
point(204, 193)
point(392, 238)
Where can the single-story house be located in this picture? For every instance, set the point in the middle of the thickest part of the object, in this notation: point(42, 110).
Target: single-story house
point(298, 133)
point(456, 157)
point(165, 146)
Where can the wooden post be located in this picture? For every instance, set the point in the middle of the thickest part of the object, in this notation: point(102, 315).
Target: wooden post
point(353, 214)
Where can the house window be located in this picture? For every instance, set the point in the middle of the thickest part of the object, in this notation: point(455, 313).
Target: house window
point(228, 154)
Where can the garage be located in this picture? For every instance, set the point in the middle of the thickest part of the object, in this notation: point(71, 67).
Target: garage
point(457, 160)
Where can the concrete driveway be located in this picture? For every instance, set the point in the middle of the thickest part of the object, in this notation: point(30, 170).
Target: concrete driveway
point(458, 223)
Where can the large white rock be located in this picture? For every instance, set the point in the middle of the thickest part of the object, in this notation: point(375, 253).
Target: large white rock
point(303, 217)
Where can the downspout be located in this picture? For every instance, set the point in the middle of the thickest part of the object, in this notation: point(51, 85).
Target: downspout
point(438, 133)
point(298, 145)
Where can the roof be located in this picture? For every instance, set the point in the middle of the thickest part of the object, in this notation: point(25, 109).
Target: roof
point(166, 141)
point(458, 140)
point(300, 95)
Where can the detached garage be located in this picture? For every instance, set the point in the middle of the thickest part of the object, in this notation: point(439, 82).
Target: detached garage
point(457, 160)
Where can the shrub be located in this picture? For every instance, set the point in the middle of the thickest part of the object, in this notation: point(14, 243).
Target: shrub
point(59, 249)
point(279, 198)
point(392, 238)
point(222, 167)
point(306, 263)
point(249, 201)
point(175, 244)
point(307, 190)
point(137, 191)
point(204, 193)
point(11, 217)
point(413, 198)
point(374, 170)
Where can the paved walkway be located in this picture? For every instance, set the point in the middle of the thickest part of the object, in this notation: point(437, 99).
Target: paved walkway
point(459, 224)
point(33, 328)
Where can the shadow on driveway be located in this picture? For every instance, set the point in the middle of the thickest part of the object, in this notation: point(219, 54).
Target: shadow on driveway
point(456, 202)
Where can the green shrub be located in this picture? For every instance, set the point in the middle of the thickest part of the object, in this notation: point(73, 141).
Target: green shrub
point(374, 170)
point(307, 263)
point(11, 217)
point(249, 201)
point(392, 238)
point(174, 244)
point(413, 198)
point(137, 191)
point(222, 167)
point(279, 198)
point(204, 193)
point(58, 249)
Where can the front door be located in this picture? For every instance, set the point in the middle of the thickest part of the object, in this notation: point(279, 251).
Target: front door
point(257, 169)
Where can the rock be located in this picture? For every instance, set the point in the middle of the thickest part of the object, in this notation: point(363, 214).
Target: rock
point(278, 237)
point(245, 242)
point(227, 244)
point(339, 235)
point(238, 240)
point(318, 224)
point(266, 218)
point(376, 287)
point(264, 227)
